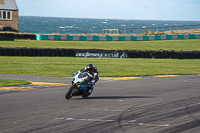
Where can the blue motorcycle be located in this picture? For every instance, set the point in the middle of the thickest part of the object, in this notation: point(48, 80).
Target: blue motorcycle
point(80, 86)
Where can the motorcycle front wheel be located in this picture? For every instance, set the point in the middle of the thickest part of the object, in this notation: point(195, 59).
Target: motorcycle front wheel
point(69, 93)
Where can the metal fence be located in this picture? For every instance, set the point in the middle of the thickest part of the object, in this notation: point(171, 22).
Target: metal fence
point(150, 29)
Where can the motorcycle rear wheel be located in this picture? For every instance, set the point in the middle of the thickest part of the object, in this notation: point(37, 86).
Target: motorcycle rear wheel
point(86, 95)
point(69, 94)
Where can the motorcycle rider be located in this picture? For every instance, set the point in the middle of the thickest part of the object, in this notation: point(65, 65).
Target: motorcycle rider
point(92, 72)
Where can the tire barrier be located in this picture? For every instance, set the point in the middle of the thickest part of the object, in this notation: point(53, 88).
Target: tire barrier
point(162, 54)
point(6, 37)
point(25, 36)
point(117, 38)
point(12, 36)
point(36, 52)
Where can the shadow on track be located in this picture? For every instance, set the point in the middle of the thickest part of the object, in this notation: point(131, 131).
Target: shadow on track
point(118, 97)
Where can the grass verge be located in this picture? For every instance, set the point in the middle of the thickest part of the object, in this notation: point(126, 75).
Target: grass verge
point(12, 82)
point(108, 67)
point(177, 45)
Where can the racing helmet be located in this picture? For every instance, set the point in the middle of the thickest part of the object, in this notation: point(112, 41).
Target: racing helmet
point(89, 67)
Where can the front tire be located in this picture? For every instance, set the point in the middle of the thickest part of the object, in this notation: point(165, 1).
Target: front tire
point(69, 93)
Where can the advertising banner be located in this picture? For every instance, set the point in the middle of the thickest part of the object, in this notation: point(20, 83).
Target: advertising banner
point(101, 54)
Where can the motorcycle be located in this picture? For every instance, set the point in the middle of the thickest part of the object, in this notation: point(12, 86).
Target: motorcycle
point(80, 85)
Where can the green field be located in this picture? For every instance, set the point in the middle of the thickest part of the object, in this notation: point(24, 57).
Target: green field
point(12, 82)
point(177, 45)
point(108, 67)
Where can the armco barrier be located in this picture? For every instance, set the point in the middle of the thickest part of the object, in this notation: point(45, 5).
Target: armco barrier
point(99, 53)
point(117, 38)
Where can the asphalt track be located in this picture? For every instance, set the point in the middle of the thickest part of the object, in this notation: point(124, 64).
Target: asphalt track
point(141, 105)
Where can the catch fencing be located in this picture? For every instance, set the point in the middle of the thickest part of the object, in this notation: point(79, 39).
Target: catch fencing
point(151, 29)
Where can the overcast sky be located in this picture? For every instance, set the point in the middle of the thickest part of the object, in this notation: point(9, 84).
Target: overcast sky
point(113, 9)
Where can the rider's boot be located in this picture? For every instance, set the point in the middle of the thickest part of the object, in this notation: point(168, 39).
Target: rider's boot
point(90, 89)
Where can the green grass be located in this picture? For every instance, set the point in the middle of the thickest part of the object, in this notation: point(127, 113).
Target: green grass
point(112, 67)
point(66, 66)
point(177, 45)
point(12, 82)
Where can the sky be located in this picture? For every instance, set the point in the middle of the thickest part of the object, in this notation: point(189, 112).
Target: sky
point(113, 9)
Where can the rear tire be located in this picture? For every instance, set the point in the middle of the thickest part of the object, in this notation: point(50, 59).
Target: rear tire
point(69, 93)
point(86, 95)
